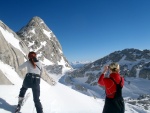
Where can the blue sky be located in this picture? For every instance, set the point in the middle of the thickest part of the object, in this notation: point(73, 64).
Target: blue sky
point(86, 29)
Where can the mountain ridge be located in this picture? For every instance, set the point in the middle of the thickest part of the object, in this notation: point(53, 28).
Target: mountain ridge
point(134, 63)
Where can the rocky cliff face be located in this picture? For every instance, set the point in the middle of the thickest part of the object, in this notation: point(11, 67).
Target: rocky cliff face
point(39, 38)
point(35, 36)
point(8, 53)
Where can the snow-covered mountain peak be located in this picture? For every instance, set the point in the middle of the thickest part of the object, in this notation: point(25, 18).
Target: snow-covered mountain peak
point(39, 38)
point(38, 23)
point(35, 36)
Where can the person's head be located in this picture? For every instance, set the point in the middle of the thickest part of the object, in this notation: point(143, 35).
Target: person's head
point(32, 58)
point(114, 67)
point(32, 55)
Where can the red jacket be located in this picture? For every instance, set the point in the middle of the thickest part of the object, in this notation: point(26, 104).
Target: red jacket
point(110, 86)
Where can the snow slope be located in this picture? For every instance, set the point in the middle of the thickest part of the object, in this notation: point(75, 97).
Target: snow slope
point(55, 99)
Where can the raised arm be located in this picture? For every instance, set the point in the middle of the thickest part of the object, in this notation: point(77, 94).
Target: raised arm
point(23, 65)
point(100, 80)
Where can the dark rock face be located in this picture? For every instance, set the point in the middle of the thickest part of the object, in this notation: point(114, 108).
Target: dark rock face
point(54, 69)
point(145, 72)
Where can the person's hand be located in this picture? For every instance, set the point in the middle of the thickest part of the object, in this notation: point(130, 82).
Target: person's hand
point(105, 69)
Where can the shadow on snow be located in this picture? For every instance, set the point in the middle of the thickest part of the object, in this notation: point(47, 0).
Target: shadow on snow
point(6, 106)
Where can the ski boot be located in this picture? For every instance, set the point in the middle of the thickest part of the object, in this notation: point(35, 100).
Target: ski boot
point(20, 101)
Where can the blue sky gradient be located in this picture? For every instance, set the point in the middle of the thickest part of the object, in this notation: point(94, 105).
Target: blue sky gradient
point(86, 29)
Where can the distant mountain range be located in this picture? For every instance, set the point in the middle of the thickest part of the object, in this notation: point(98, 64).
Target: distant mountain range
point(79, 64)
point(134, 63)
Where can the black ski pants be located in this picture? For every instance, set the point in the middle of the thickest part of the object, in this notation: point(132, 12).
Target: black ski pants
point(36, 95)
point(114, 105)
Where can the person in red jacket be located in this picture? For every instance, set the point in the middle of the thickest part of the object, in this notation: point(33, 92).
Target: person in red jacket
point(113, 84)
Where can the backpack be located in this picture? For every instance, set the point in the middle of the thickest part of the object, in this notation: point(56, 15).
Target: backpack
point(118, 92)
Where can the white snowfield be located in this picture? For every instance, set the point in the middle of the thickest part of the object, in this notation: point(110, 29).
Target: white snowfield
point(55, 99)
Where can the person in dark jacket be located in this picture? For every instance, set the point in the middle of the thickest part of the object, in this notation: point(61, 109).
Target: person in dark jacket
point(113, 84)
point(32, 80)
